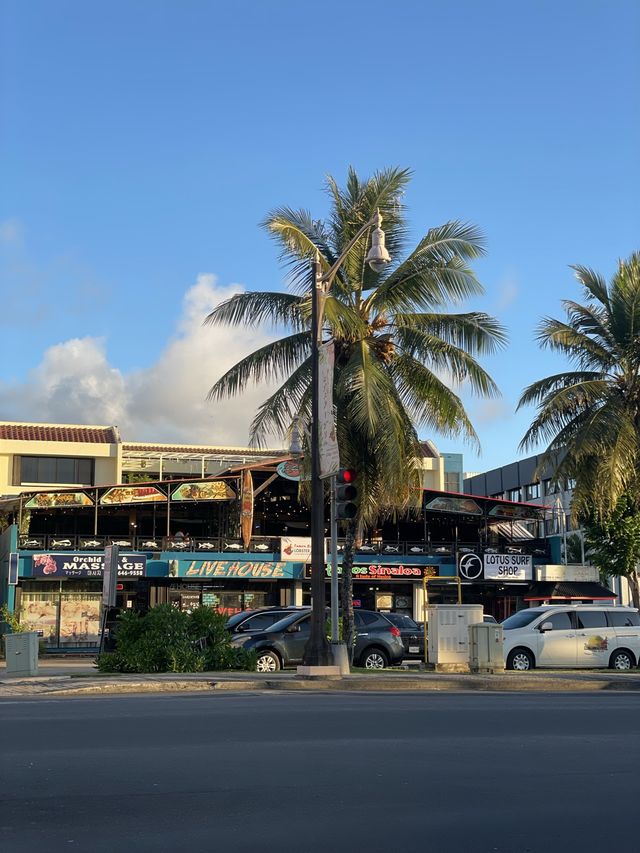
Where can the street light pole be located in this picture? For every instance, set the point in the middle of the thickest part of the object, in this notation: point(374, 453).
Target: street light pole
point(317, 651)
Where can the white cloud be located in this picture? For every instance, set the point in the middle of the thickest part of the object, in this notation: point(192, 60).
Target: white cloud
point(508, 292)
point(10, 232)
point(75, 383)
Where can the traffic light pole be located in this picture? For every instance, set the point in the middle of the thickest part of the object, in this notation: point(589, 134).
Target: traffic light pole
point(335, 609)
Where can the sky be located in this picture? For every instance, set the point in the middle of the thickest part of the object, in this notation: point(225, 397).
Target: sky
point(143, 141)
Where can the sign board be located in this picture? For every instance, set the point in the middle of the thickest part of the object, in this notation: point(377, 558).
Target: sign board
point(495, 567)
point(380, 572)
point(216, 490)
point(572, 574)
point(297, 549)
point(132, 495)
point(109, 576)
point(240, 569)
point(291, 470)
point(55, 499)
point(13, 569)
point(57, 566)
point(514, 567)
point(327, 437)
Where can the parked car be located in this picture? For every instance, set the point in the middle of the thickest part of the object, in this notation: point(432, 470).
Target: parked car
point(572, 636)
point(255, 621)
point(378, 642)
point(489, 620)
point(411, 633)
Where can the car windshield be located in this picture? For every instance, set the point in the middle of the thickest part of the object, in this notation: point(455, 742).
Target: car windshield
point(284, 623)
point(520, 619)
point(238, 617)
point(401, 621)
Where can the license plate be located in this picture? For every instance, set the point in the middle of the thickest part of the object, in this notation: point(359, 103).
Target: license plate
point(414, 650)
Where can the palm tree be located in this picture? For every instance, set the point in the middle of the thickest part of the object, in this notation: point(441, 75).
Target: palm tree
point(589, 417)
point(399, 347)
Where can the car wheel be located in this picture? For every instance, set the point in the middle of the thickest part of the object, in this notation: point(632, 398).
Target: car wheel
point(520, 660)
point(267, 662)
point(374, 659)
point(622, 660)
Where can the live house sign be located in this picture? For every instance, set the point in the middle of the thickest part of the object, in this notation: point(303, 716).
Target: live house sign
point(495, 567)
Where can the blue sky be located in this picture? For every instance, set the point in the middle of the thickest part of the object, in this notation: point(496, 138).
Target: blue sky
point(142, 142)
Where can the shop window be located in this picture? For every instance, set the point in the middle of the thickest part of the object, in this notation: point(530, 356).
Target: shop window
point(54, 469)
point(513, 494)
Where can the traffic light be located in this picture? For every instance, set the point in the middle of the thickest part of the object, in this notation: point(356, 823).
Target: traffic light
point(346, 494)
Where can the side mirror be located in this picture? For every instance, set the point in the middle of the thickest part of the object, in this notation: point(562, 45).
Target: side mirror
point(546, 626)
point(294, 629)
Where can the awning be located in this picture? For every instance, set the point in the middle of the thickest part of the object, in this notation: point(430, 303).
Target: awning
point(545, 590)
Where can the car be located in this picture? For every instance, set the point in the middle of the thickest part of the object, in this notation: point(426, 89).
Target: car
point(378, 642)
point(489, 620)
point(572, 636)
point(412, 634)
point(255, 621)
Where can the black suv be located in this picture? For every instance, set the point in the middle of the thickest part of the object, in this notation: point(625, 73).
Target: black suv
point(378, 642)
point(256, 621)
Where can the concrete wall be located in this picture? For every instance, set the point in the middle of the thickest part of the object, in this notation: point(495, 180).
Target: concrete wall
point(107, 459)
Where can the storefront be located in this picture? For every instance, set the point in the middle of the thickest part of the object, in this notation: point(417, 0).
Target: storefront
point(393, 587)
point(60, 597)
point(229, 585)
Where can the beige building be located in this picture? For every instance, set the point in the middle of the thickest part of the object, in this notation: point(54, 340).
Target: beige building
point(36, 456)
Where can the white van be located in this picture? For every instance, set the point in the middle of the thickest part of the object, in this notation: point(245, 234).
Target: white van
point(582, 635)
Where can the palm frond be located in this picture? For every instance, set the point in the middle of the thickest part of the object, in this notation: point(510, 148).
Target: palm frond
point(435, 274)
point(432, 403)
point(255, 308)
point(269, 363)
point(577, 346)
point(275, 415)
point(475, 332)
point(441, 356)
point(300, 238)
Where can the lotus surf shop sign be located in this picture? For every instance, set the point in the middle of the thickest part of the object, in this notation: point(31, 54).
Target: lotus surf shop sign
point(495, 567)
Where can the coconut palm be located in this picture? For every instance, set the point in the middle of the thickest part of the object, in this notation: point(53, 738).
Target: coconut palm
point(399, 347)
point(589, 417)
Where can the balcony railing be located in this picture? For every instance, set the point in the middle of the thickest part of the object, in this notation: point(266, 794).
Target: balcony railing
point(271, 545)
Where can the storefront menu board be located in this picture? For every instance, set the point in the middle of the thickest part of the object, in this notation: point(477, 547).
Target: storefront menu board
point(57, 566)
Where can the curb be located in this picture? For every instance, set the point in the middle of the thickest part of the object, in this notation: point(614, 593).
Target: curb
point(64, 686)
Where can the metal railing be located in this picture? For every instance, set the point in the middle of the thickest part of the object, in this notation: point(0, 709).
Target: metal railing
point(271, 545)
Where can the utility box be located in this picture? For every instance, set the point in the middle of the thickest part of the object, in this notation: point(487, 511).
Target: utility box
point(448, 638)
point(21, 653)
point(485, 643)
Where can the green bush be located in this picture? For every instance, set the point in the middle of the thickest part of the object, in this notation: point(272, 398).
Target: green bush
point(168, 640)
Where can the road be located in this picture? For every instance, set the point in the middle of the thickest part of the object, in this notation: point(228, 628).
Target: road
point(441, 772)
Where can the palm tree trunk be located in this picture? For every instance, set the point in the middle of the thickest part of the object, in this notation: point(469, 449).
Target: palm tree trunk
point(634, 587)
point(346, 593)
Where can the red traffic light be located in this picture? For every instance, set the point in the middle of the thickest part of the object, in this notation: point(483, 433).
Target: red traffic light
point(346, 475)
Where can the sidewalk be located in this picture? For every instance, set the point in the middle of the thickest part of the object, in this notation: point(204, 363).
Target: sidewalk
point(79, 677)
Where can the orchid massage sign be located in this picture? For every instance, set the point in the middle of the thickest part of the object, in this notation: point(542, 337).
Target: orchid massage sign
point(58, 566)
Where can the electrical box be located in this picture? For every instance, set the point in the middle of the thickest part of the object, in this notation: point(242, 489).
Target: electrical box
point(485, 642)
point(448, 638)
point(21, 652)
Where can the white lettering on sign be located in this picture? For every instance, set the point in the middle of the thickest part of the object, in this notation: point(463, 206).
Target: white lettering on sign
point(508, 567)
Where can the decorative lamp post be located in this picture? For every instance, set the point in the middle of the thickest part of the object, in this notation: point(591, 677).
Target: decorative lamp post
point(317, 651)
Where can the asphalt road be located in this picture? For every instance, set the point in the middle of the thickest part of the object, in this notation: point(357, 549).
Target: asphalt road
point(327, 772)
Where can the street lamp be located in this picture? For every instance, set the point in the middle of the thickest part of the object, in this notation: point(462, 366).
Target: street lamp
point(317, 651)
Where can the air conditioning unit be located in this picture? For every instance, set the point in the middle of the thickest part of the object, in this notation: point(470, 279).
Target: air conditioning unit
point(485, 645)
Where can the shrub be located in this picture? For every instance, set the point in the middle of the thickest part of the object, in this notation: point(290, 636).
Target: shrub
point(168, 640)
